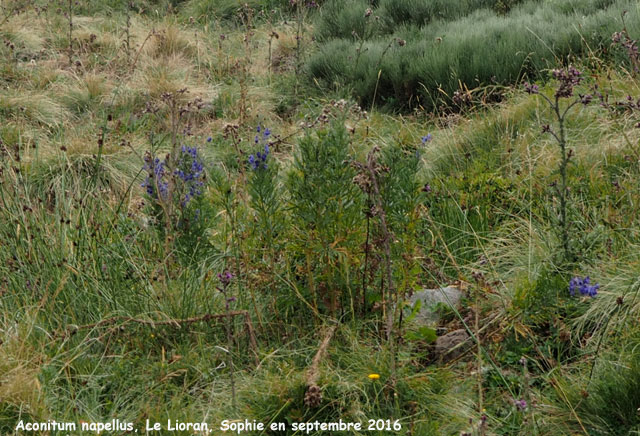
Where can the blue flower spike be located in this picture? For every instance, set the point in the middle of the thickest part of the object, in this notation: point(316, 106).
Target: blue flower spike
point(259, 160)
point(189, 172)
point(584, 286)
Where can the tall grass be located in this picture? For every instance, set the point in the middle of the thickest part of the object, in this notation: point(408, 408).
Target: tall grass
point(343, 19)
point(421, 13)
point(475, 50)
point(340, 19)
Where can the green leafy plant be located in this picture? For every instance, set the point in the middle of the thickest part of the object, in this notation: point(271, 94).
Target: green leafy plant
point(325, 206)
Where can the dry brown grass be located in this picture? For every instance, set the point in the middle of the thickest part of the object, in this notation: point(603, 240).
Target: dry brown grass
point(20, 364)
point(165, 56)
point(36, 107)
point(171, 41)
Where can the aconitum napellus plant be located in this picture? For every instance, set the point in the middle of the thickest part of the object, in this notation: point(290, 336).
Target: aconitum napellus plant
point(263, 189)
point(259, 160)
point(584, 286)
point(177, 185)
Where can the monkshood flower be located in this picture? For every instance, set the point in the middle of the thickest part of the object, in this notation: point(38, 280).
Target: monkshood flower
point(584, 286)
point(188, 175)
point(190, 171)
point(427, 138)
point(266, 133)
point(156, 171)
point(259, 160)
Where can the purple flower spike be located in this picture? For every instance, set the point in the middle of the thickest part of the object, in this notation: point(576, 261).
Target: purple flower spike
point(521, 405)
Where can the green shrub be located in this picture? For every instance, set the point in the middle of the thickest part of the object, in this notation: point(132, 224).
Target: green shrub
point(326, 207)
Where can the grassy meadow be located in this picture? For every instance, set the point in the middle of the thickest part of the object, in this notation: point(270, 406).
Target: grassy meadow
point(217, 210)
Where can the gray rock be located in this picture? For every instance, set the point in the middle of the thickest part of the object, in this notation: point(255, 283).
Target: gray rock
point(429, 298)
point(452, 345)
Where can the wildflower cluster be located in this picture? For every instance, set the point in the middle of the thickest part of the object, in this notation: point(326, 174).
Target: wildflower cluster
point(259, 160)
point(462, 97)
point(156, 170)
point(190, 171)
point(567, 80)
point(531, 88)
point(584, 286)
point(225, 278)
point(187, 177)
point(521, 404)
point(630, 45)
point(629, 104)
